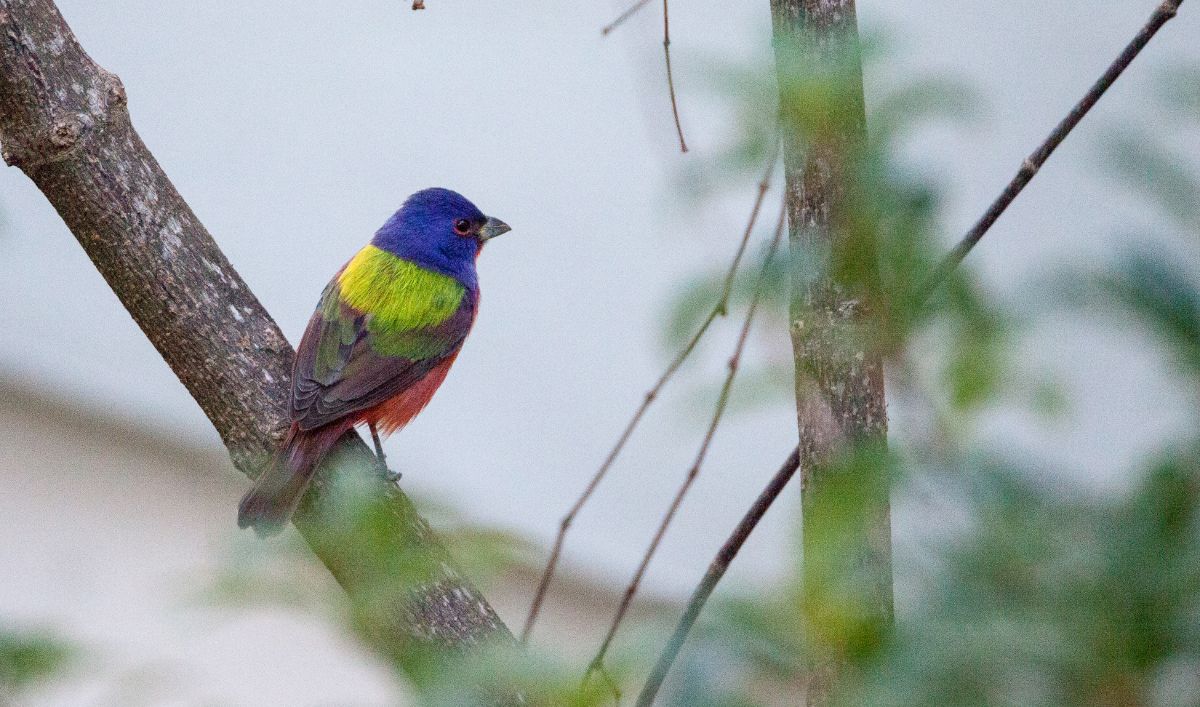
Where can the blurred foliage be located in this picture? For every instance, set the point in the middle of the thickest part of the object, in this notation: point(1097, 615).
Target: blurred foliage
point(891, 235)
point(1160, 295)
point(542, 680)
point(1143, 164)
point(1178, 89)
point(1026, 593)
point(27, 658)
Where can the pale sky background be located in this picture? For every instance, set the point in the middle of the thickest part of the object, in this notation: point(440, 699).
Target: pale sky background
point(294, 132)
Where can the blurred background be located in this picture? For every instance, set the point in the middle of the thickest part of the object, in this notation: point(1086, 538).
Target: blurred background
point(294, 133)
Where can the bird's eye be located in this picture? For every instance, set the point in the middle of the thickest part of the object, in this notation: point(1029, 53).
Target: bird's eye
point(462, 227)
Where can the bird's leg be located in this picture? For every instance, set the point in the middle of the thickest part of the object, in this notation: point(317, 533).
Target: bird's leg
point(380, 457)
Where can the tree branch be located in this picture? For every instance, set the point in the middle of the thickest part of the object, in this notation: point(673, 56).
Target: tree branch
point(63, 121)
point(716, 570)
point(1032, 164)
point(671, 74)
point(630, 12)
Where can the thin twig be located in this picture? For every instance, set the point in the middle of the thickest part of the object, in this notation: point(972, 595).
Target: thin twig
point(729, 550)
point(716, 571)
point(718, 414)
point(630, 12)
point(1033, 163)
point(719, 310)
point(671, 75)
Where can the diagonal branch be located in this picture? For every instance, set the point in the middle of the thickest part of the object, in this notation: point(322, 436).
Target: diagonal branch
point(64, 122)
point(1029, 168)
point(716, 570)
point(629, 12)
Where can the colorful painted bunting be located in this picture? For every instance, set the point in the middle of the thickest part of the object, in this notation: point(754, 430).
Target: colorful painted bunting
point(387, 329)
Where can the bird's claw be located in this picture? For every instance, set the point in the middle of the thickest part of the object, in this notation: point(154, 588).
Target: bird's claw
point(382, 468)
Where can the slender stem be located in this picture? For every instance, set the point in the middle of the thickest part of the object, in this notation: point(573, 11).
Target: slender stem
point(630, 12)
point(716, 571)
point(1029, 168)
point(719, 309)
point(671, 76)
point(718, 414)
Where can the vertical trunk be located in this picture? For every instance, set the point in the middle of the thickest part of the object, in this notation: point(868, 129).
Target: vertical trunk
point(839, 377)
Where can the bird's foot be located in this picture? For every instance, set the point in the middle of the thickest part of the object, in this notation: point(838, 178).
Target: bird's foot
point(381, 459)
point(382, 469)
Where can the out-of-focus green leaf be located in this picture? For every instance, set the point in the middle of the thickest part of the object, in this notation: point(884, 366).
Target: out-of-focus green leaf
point(487, 677)
point(698, 297)
point(1160, 295)
point(1142, 164)
point(1178, 87)
point(29, 657)
point(920, 103)
point(1053, 600)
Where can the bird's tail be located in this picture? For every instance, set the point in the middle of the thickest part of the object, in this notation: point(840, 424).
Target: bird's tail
point(277, 493)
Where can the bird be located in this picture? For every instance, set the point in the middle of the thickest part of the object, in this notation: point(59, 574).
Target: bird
point(385, 333)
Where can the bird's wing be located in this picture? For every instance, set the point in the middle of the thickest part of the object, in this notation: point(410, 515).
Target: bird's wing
point(344, 366)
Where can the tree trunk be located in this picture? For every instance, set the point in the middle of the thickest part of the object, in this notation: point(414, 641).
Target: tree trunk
point(63, 121)
point(839, 377)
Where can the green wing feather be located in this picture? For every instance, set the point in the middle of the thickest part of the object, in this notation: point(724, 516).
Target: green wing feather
point(351, 360)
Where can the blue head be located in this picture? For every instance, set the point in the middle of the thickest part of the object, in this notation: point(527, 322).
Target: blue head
point(440, 230)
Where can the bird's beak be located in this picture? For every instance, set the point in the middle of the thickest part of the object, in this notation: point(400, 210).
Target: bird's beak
point(493, 227)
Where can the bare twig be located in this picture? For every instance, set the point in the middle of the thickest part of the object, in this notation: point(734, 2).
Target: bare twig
point(716, 571)
point(666, 54)
point(719, 310)
point(630, 12)
point(733, 544)
point(1029, 168)
point(693, 472)
point(671, 74)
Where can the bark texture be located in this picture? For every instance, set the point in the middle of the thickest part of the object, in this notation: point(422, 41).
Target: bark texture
point(64, 122)
point(840, 389)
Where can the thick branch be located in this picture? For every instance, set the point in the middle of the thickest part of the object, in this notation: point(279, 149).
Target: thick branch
point(840, 389)
point(63, 121)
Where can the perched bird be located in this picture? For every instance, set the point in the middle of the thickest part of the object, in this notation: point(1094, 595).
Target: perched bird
point(386, 331)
